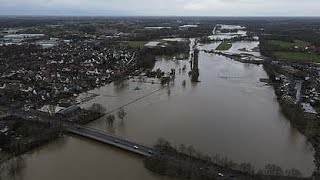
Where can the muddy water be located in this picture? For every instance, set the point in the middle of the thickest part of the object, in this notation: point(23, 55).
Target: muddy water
point(74, 158)
point(228, 113)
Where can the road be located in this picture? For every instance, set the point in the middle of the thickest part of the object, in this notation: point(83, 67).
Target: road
point(110, 140)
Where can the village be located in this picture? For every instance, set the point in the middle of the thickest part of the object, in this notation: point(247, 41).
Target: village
point(297, 84)
point(33, 76)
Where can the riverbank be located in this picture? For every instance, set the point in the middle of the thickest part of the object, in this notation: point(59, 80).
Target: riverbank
point(186, 163)
point(295, 114)
point(199, 169)
point(22, 134)
point(19, 136)
point(243, 58)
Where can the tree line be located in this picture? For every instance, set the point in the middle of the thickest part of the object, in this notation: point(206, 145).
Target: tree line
point(202, 165)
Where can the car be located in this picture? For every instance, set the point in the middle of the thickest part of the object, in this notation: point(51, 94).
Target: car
point(32, 117)
point(150, 152)
point(220, 174)
point(136, 147)
point(116, 141)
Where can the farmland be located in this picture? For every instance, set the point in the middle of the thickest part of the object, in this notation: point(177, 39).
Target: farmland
point(224, 46)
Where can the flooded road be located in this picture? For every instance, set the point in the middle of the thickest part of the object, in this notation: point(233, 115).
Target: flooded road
point(229, 113)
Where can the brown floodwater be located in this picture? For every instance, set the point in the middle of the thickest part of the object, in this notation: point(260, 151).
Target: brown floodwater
point(229, 113)
point(75, 158)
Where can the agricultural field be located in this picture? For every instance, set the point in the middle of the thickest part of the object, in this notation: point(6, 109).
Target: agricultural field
point(289, 45)
point(224, 46)
point(297, 56)
point(134, 44)
point(295, 51)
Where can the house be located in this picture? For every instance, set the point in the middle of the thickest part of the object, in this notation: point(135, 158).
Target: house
point(50, 109)
point(309, 112)
point(70, 111)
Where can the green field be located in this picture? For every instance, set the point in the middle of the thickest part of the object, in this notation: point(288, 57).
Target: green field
point(9, 81)
point(134, 44)
point(297, 56)
point(288, 45)
point(224, 46)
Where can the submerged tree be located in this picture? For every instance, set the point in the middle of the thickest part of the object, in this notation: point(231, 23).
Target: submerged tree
point(110, 119)
point(97, 108)
point(121, 113)
point(184, 83)
point(195, 69)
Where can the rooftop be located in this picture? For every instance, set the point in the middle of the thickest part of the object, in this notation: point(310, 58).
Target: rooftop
point(308, 108)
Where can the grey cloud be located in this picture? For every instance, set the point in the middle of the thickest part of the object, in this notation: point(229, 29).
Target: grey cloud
point(161, 7)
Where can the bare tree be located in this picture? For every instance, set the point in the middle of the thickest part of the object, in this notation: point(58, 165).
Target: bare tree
point(293, 173)
point(182, 148)
point(191, 150)
point(184, 83)
point(121, 113)
point(272, 170)
point(247, 168)
point(110, 119)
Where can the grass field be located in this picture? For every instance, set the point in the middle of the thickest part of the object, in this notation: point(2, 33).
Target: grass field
point(288, 45)
point(134, 44)
point(297, 56)
point(9, 81)
point(224, 46)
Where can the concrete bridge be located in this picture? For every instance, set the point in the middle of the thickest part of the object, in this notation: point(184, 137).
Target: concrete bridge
point(103, 137)
point(90, 133)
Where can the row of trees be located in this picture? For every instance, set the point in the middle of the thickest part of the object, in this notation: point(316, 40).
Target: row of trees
point(31, 135)
point(189, 153)
point(147, 56)
point(111, 117)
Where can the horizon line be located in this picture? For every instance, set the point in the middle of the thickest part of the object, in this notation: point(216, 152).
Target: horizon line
point(294, 16)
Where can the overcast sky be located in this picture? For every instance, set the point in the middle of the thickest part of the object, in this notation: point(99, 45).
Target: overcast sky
point(162, 7)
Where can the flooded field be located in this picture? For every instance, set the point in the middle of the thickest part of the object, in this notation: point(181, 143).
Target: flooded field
point(245, 47)
point(229, 113)
point(210, 115)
